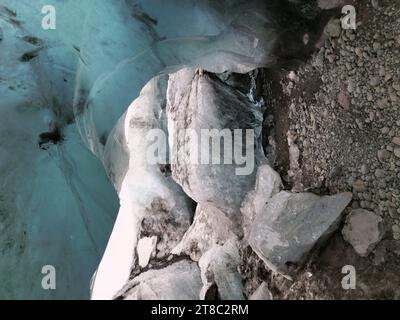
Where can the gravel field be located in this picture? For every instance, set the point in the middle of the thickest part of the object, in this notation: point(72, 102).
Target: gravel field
point(336, 128)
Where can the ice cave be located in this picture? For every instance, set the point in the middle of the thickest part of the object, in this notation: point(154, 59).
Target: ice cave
point(59, 199)
point(77, 99)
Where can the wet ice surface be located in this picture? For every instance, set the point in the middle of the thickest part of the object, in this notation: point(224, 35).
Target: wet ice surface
point(57, 205)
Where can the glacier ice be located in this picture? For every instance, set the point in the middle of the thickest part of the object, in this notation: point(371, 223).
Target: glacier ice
point(152, 204)
point(71, 88)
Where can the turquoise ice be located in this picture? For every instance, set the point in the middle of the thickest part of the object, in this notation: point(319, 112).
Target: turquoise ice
point(58, 204)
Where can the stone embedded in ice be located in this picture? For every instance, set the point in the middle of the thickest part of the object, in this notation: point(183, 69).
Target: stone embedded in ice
point(290, 225)
point(147, 38)
point(197, 103)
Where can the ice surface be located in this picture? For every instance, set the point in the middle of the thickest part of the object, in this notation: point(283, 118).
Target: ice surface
point(57, 206)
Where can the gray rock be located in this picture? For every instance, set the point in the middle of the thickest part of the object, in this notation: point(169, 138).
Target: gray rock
point(397, 152)
point(268, 183)
point(383, 155)
point(364, 169)
point(198, 102)
point(363, 230)
point(376, 46)
point(374, 81)
point(385, 130)
point(210, 227)
point(379, 173)
point(333, 28)
point(289, 226)
point(262, 293)
point(219, 268)
point(343, 101)
point(359, 186)
point(318, 60)
point(396, 231)
point(178, 281)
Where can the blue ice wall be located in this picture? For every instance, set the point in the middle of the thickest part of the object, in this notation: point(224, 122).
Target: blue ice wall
point(57, 205)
